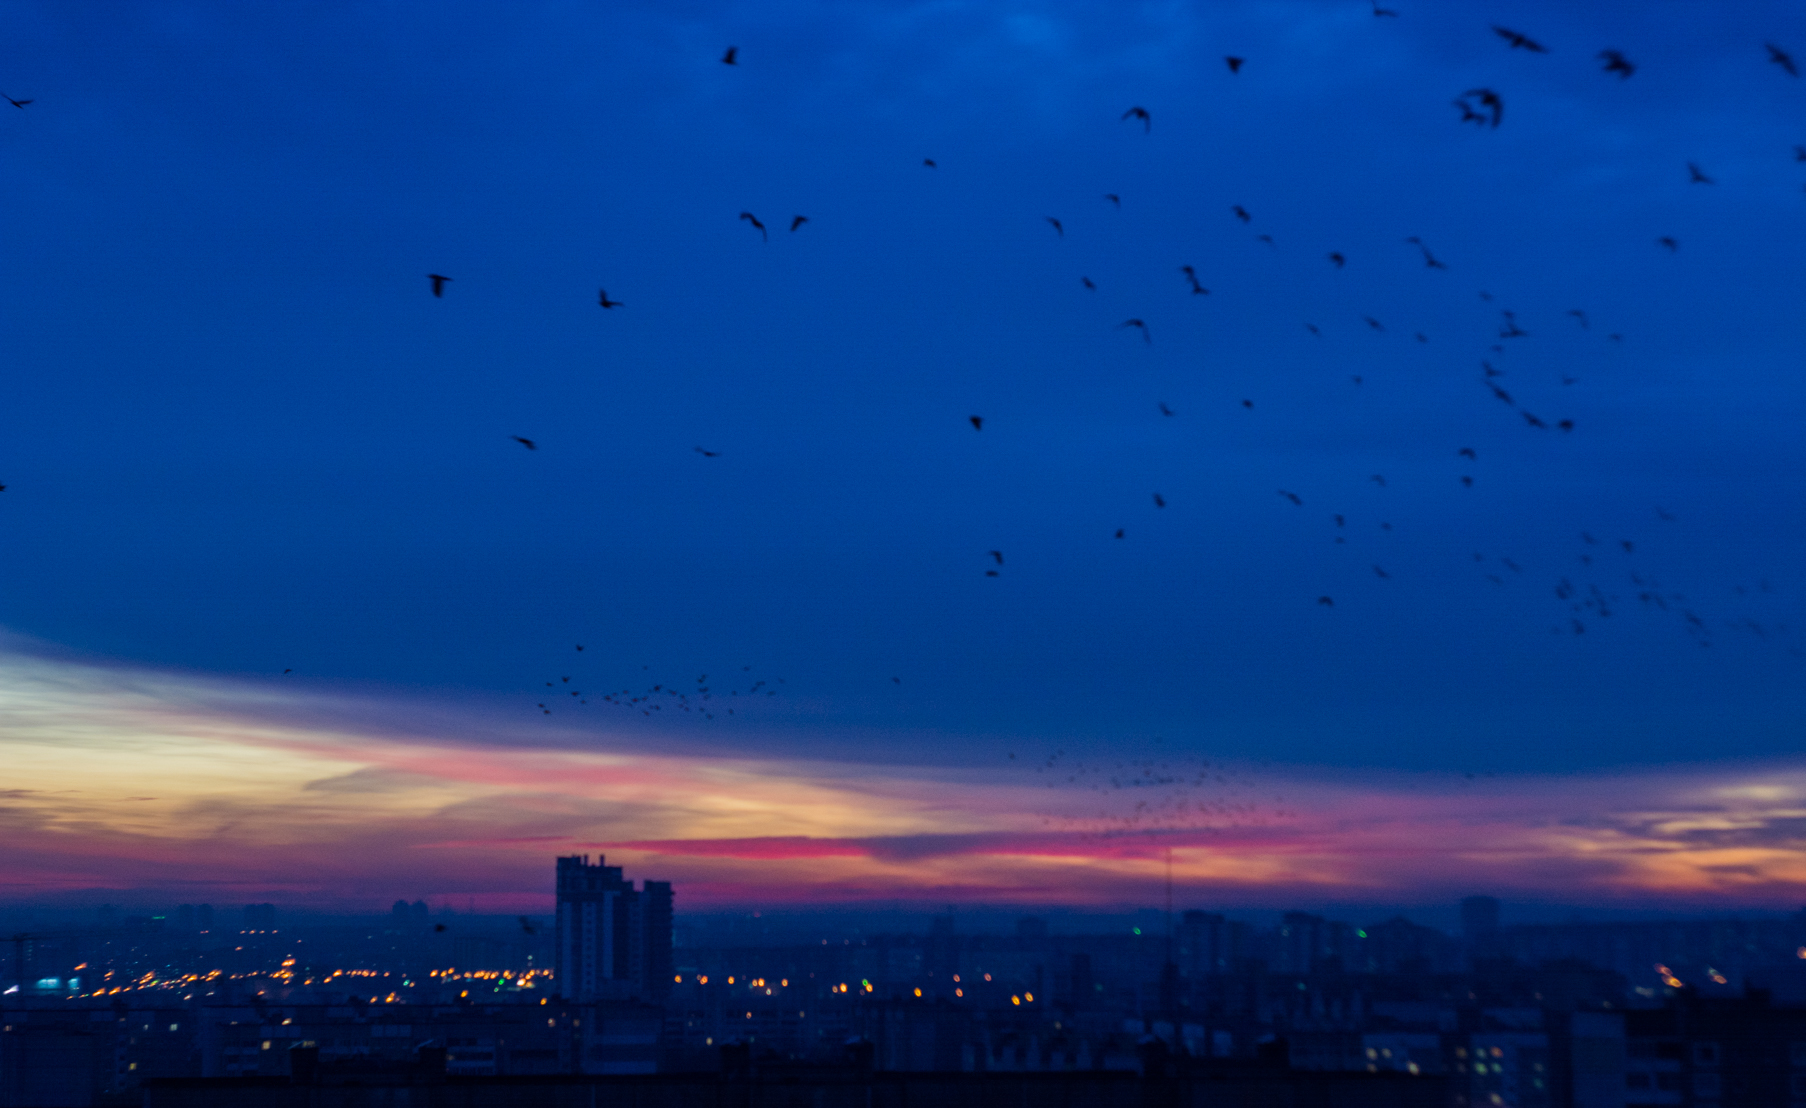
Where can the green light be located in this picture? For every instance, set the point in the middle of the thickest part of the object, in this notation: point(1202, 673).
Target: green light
point(1137, 930)
point(1359, 934)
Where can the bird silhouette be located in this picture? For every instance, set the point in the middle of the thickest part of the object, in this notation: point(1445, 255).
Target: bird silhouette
point(528, 443)
point(1234, 63)
point(1192, 276)
point(754, 220)
point(1799, 153)
point(1337, 259)
point(1490, 100)
point(797, 221)
point(1467, 482)
point(978, 422)
point(1139, 325)
point(1378, 480)
point(438, 280)
point(1374, 323)
point(1293, 497)
point(1086, 281)
point(1119, 532)
point(1697, 176)
point(1783, 59)
point(1147, 121)
point(528, 926)
point(1519, 41)
point(997, 554)
point(602, 299)
point(1159, 501)
point(1268, 239)
point(732, 57)
point(1380, 13)
point(1617, 63)
point(1669, 242)
point(1113, 198)
point(706, 454)
point(1380, 572)
point(1580, 317)
point(1241, 213)
point(1326, 602)
point(929, 162)
point(1249, 404)
point(20, 104)
point(1468, 453)
point(1166, 411)
point(1061, 231)
point(1429, 259)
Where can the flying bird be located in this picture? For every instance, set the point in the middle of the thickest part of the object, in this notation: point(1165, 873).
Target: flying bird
point(1782, 58)
point(732, 57)
point(997, 554)
point(1379, 12)
point(1490, 100)
point(438, 928)
point(1380, 572)
point(1119, 532)
point(527, 925)
point(1617, 63)
point(1159, 501)
point(1429, 259)
point(978, 422)
point(1581, 316)
point(1086, 281)
point(704, 453)
point(528, 443)
point(797, 221)
point(929, 162)
point(1378, 480)
point(1799, 153)
point(1166, 411)
point(1326, 602)
point(1697, 176)
point(1241, 213)
point(1533, 421)
point(1374, 323)
point(1337, 258)
point(1468, 453)
point(1669, 242)
point(1147, 121)
point(20, 104)
point(754, 220)
point(1519, 41)
point(1138, 324)
point(1056, 226)
point(1113, 198)
point(1249, 404)
point(1293, 497)
point(602, 299)
point(1234, 63)
point(438, 280)
point(1192, 276)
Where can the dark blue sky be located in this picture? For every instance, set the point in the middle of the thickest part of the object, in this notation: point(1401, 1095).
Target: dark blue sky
point(240, 434)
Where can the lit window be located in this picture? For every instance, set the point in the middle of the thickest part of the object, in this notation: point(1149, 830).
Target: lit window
point(959, 992)
point(266, 1044)
point(918, 992)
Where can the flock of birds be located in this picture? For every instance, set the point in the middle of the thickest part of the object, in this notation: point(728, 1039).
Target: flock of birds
point(1578, 593)
point(1180, 794)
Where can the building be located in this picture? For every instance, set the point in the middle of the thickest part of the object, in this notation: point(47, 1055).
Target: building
point(613, 941)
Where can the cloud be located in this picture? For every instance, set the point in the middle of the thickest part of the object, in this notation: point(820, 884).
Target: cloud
point(123, 779)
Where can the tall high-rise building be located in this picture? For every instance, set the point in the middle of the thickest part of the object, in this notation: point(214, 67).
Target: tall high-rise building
point(613, 941)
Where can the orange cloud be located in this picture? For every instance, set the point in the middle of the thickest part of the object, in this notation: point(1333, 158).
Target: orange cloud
point(196, 788)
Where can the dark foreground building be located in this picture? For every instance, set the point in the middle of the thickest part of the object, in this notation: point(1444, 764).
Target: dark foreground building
point(745, 1083)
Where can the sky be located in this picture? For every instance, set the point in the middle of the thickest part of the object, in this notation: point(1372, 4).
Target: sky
point(1480, 576)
